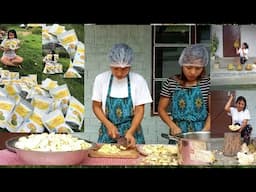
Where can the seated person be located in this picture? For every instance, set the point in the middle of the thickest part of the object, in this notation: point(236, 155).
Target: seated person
point(51, 65)
point(10, 45)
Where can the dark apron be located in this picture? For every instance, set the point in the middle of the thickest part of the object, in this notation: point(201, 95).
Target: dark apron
point(120, 112)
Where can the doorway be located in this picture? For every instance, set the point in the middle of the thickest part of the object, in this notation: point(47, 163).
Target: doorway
point(231, 33)
point(219, 118)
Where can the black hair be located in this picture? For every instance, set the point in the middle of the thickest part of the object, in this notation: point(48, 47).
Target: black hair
point(241, 98)
point(12, 31)
point(246, 45)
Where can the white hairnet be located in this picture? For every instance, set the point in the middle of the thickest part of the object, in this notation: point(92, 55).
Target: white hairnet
point(121, 55)
point(192, 53)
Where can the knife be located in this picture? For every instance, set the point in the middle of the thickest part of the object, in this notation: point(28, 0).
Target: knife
point(122, 142)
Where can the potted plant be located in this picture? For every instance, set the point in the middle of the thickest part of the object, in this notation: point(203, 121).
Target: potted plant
point(214, 45)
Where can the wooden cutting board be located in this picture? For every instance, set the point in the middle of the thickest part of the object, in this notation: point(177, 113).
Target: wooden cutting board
point(128, 154)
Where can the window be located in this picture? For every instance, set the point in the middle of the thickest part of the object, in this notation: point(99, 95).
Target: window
point(168, 43)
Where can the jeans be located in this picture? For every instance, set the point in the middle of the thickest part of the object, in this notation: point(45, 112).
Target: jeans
point(243, 60)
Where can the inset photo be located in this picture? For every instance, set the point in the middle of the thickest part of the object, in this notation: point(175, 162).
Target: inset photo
point(63, 50)
point(233, 111)
point(21, 49)
point(41, 78)
point(233, 57)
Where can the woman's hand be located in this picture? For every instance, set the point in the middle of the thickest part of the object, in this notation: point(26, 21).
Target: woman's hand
point(112, 131)
point(231, 97)
point(175, 130)
point(131, 140)
point(243, 125)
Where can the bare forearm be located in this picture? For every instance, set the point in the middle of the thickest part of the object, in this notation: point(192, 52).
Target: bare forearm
point(97, 109)
point(162, 110)
point(167, 119)
point(207, 126)
point(138, 116)
point(163, 104)
point(228, 104)
point(111, 128)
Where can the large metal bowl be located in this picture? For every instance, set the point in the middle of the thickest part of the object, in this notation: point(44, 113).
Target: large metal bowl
point(187, 143)
point(48, 158)
point(199, 135)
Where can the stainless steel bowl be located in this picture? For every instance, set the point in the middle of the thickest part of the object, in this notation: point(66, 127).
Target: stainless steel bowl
point(48, 158)
point(199, 135)
point(187, 143)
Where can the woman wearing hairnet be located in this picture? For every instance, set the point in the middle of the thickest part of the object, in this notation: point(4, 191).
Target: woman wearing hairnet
point(119, 97)
point(187, 94)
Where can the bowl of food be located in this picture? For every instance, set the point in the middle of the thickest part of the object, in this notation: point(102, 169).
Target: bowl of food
point(234, 127)
point(50, 149)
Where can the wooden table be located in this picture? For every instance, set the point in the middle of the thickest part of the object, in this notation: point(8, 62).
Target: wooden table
point(9, 158)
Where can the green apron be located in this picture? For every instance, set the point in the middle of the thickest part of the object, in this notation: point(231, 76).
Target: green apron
point(120, 112)
point(188, 109)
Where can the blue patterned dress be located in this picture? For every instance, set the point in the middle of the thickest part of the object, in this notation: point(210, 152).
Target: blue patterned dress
point(188, 109)
point(120, 112)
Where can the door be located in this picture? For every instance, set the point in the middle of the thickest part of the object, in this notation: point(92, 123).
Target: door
point(231, 33)
point(219, 118)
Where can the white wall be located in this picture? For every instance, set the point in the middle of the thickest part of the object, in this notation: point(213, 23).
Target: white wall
point(248, 34)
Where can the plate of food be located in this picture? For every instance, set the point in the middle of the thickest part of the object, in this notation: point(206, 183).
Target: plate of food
point(50, 149)
point(234, 127)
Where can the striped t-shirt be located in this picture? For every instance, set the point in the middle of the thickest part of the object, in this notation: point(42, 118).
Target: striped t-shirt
point(170, 85)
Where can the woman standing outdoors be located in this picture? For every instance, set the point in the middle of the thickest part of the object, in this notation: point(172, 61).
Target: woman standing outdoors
point(187, 94)
point(243, 52)
point(119, 98)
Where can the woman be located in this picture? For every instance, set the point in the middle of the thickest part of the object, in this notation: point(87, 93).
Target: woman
point(10, 46)
point(187, 94)
point(240, 116)
point(243, 52)
point(119, 97)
